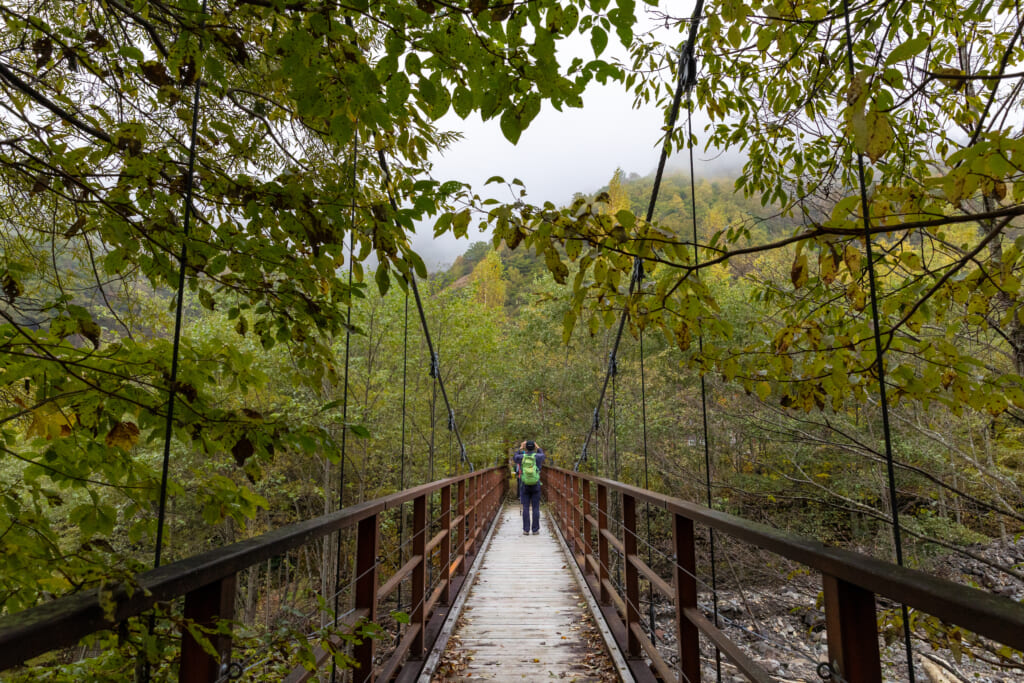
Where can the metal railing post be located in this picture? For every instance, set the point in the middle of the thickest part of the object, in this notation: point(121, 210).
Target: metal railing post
point(686, 598)
point(474, 494)
point(588, 527)
point(463, 527)
point(204, 607)
point(577, 515)
point(367, 550)
point(562, 498)
point(852, 631)
point(419, 573)
point(602, 543)
point(567, 490)
point(446, 544)
point(629, 546)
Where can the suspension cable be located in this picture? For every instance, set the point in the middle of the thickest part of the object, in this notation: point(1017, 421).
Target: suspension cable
point(344, 391)
point(401, 471)
point(879, 362)
point(433, 417)
point(435, 362)
point(172, 391)
point(703, 389)
point(638, 267)
point(647, 505)
point(613, 410)
point(688, 79)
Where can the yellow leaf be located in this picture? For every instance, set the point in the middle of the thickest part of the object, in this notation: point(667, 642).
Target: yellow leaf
point(856, 90)
point(852, 258)
point(49, 423)
point(827, 265)
point(123, 435)
point(798, 273)
point(880, 136)
point(858, 299)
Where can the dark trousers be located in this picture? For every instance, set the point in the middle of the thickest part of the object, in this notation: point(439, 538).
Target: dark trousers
point(529, 496)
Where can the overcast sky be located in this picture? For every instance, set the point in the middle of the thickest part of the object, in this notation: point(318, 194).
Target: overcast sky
point(561, 153)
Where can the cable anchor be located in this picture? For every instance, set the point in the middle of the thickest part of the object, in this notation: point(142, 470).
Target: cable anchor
point(638, 270)
point(451, 420)
point(231, 671)
point(435, 365)
point(688, 66)
point(597, 418)
point(613, 366)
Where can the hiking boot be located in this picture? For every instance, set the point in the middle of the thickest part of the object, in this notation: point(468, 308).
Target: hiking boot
point(534, 533)
point(526, 533)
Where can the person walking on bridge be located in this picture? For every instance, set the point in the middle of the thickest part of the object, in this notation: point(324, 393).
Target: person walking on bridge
point(527, 462)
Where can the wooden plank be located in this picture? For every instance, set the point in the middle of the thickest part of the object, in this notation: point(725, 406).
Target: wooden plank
point(852, 631)
point(985, 614)
point(747, 666)
point(205, 607)
point(521, 618)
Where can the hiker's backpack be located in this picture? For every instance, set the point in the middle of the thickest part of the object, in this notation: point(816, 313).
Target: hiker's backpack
point(529, 471)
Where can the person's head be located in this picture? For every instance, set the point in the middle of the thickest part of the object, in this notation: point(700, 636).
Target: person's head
point(531, 446)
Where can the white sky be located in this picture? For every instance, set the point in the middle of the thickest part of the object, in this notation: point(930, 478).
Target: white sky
point(561, 153)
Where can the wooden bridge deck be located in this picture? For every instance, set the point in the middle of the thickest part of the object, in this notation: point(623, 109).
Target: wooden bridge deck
point(524, 615)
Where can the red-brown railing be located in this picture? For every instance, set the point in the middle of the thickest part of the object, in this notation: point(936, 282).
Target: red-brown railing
point(468, 505)
point(850, 583)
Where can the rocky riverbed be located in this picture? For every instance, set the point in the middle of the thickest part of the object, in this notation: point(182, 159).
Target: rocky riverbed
point(782, 627)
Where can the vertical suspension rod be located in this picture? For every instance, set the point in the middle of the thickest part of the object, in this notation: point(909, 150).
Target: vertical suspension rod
point(411, 279)
point(652, 203)
point(880, 361)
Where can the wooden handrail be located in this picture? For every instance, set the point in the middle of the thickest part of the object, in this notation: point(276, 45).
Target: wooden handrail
point(850, 580)
point(63, 622)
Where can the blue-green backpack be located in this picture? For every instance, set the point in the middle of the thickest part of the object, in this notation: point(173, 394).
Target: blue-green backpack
point(529, 472)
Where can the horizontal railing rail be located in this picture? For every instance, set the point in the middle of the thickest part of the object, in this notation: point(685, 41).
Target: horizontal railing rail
point(468, 505)
point(850, 582)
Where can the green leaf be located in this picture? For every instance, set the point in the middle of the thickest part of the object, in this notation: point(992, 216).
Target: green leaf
point(460, 223)
point(908, 49)
point(382, 279)
point(428, 92)
point(598, 40)
point(131, 52)
point(462, 102)
point(511, 127)
point(206, 299)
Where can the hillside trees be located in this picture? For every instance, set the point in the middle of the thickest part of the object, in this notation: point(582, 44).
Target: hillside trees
point(927, 108)
point(943, 183)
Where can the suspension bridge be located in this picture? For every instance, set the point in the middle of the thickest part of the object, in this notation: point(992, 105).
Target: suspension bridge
point(601, 523)
point(452, 575)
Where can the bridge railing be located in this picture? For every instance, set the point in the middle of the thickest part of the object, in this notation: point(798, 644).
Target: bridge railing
point(850, 582)
point(207, 582)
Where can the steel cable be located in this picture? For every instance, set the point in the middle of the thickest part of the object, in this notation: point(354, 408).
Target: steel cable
point(637, 275)
point(172, 390)
point(410, 278)
point(879, 360)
